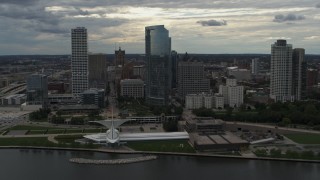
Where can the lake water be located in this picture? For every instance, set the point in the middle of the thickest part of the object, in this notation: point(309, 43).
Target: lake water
point(18, 164)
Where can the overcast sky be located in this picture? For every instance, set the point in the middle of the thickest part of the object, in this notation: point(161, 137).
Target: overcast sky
point(196, 26)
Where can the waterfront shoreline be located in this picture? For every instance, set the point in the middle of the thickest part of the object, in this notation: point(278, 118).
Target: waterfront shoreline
point(113, 161)
point(160, 153)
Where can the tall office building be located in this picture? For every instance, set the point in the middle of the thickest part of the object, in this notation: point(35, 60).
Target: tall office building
point(158, 48)
point(191, 79)
point(119, 57)
point(97, 70)
point(174, 68)
point(255, 66)
point(288, 79)
point(79, 60)
point(299, 76)
point(37, 90)
point(281, 71)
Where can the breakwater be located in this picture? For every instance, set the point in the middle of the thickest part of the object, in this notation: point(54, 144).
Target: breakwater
point(113, 161)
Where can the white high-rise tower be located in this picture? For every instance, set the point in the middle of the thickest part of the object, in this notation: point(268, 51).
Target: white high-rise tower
point(281, 72)
point(79, 60)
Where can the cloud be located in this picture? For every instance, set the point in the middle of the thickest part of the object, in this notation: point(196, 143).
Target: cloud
point(289, 17)
point(19, 2)
point(318, 5)
point(32, 15)
point(213, 23)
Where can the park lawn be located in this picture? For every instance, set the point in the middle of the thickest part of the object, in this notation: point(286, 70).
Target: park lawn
point(70, 131)
point(34, 141)
point(162, 146)
point(304, 138)
point(55, 131)
point(31, 132)
point(25, 127)
point(67, 138)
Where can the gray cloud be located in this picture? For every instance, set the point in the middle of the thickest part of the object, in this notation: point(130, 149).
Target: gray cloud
point(33, 17)
point(318, 5)
point(289, 17)
point(213, 23)
point(19, 2)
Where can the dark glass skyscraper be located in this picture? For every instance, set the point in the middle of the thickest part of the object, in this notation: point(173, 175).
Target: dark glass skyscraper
point(37, 90)
point(159, 75)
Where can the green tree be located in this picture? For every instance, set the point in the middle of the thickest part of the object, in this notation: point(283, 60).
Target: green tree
point(170, 125)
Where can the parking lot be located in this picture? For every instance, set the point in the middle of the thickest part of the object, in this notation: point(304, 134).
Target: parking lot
point(8, 118)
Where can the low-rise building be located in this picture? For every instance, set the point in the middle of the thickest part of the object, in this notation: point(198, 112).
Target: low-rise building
point(218, 101)
point(93, 96)
point(132, 88)
point(233, 94)
point(196, 101)
point(204, 125)
point(16, 99)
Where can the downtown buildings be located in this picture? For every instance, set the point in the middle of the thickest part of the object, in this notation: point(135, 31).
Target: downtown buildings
point(79, 61)
point(288, 72)
point(159, 75)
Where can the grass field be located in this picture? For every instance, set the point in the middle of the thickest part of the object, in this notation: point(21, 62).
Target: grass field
point(36, 132)
point(162, 146)
point(67, 138)
point(55, 131)
point(24, 127)
point(70, 131)
point(304, 138)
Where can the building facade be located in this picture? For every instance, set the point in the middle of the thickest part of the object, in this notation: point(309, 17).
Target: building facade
point(255, 66)
point(232, 93)
point(158, 80)
point(119, 57)
point(79, 60)
point(281, 71)
point(132, 88)
point(299, 76)
point(93, 96)
point(97, 70)
point(218, 101)
point(37, 90)
point(174, 68)
point(191, 79)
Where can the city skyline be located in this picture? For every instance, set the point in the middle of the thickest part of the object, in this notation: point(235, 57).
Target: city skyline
point(208, 27)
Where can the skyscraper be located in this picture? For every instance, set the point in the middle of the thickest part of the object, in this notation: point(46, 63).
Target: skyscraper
point(37, 90)
point(97, 70)
point(79, 60)
point(288, 72)
point(299, 76)
point(174, 68)
point(119, 57)
point(281, 71)
point(255, 66)
point(158, 48)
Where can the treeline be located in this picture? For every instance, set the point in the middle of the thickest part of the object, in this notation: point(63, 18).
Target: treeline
point(203, 112)
point(40, 115)
point(167, 110)
point(304, 113)
point(289, 154)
